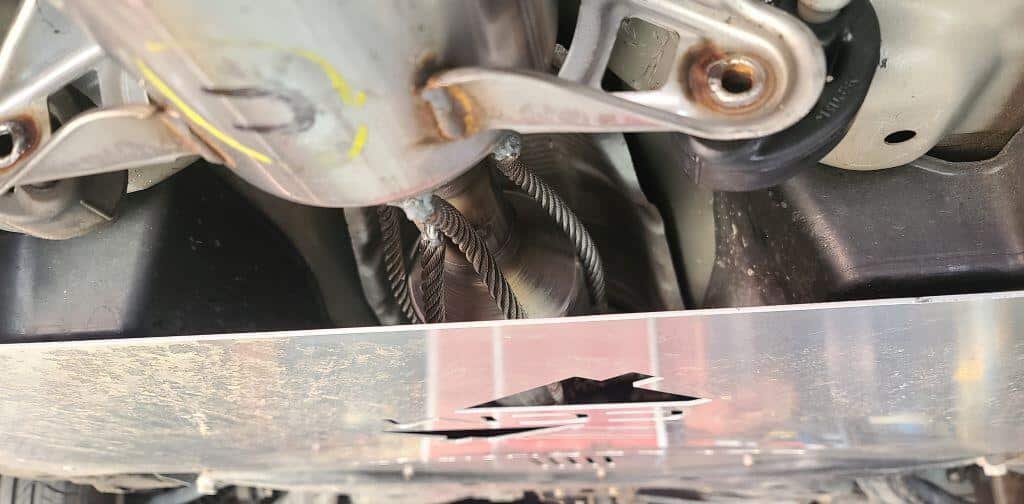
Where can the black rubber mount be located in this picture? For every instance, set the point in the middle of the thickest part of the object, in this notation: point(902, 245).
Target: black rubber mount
point(852, 46)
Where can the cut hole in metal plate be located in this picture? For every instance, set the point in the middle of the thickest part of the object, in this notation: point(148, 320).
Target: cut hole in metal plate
point(587, 392)
point(556, 406)
point(970, 147)
point(454, 434)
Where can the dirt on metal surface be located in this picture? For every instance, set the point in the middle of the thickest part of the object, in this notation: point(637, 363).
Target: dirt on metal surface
point(830, 386)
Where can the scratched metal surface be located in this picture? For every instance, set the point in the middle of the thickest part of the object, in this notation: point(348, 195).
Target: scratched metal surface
point(886, 383)
point(317, 101)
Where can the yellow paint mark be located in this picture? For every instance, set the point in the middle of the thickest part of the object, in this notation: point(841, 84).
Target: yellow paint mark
point(199, 120)
point(970, 370)
point(344, 91)
point(466, 109)
point(152, 46)
point(358, 142)
point(337, 81)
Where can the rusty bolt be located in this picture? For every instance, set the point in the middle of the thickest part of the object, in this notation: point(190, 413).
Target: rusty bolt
point(725, 82)
point(18, 138)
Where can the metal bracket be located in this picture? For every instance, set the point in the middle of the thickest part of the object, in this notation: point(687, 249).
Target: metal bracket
point(42, 51)
point(103, 141)
point(777, 60)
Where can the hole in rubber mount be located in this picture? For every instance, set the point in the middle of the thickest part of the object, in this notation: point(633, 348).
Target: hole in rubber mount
point(6, 144)
point(899, 136)
point(737, 78)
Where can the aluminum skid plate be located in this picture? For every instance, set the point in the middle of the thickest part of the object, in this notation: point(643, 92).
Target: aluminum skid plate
point(410, 410)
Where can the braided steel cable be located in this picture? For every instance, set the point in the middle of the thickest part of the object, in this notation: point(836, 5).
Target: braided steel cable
point(432, 250)
point(555, 206)
point(454, 225)
point(390, 219)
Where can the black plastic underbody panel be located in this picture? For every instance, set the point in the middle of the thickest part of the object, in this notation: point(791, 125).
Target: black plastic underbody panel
point(188, 256)
point(832, 234)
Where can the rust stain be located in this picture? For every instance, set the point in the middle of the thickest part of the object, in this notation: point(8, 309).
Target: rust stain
point(694, 79)
point(427, 64)
point(464, 117)
point(458, 121)
point(425, 116)
point(694, 74)
point(465, 109)
point(27, 127)
point(207, 141)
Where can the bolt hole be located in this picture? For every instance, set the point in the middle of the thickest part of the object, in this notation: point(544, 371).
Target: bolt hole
point(737, 78)
point(732, 83)
point(900, 136)
point(6, 144)
point(12, 143)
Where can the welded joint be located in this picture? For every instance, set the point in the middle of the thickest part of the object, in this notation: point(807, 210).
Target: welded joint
point(190, 138)
point(447, 114)
point(421, 211)
point(508, 148)
point(419, 208)
point(20, 136)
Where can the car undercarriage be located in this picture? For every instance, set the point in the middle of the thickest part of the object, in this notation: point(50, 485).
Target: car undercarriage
point(515, 250)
